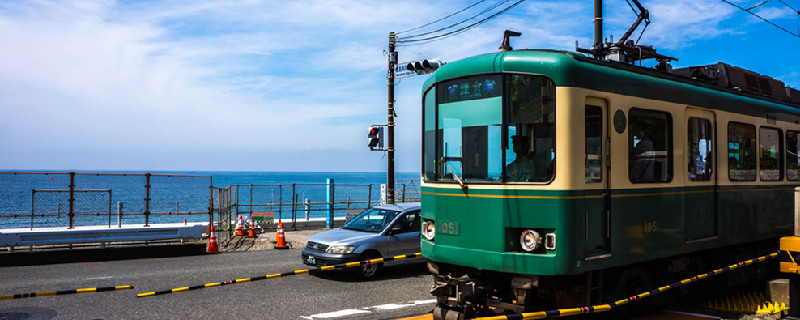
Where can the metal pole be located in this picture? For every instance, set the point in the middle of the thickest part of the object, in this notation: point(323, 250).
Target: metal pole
point(109, 208)
point(369, 196)
point(307, 208)
point(147, 200)
point(598, 22)
point(294, 207)
point(330, 199)
point(210, 203)
point(390, 123)
point(71, 198)
point(33, 205)
point(119, 214)
point(294, 212)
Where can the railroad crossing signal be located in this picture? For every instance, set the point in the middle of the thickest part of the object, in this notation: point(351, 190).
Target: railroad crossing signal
point(375, 137)
point(424, 66)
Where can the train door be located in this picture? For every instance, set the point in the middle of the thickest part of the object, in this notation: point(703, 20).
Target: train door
point(700, 200)
point(596, 210)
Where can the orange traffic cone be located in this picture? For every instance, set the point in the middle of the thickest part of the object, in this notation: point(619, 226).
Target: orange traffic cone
point(212, 242)
point(251, 233)
point(239, 227)
point(281, 238)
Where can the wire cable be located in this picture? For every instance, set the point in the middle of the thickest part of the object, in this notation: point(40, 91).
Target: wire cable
point(452, 33)
point(490, 8)
point(440, 19)
point(765, 20)
point(790, 7)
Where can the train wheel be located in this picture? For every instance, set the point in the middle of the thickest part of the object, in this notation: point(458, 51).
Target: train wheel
point(445, 313)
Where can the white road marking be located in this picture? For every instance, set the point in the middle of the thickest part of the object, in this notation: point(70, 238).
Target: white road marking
point(392, 306)
point(368, 310)
point(339, 314)
point(100, 278)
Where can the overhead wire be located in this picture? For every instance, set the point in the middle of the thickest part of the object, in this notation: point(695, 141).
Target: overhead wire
point(790, 7)
point(763, 19)
point(405, 41)
point(795, 10)
point(443, 18)
point(490, 8)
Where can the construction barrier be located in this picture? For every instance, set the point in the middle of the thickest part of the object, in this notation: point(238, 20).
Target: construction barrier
point(56, 293)
point(278, 275)
point(607, 307)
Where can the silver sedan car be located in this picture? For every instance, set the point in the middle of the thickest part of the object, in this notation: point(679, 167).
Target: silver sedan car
point(382, 231)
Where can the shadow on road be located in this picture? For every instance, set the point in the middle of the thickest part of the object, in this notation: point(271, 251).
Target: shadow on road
point(411, 270)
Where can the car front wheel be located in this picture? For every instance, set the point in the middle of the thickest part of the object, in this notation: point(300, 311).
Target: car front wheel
point(368, 271)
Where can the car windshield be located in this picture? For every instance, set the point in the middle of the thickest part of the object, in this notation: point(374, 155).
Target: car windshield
point(372, 220)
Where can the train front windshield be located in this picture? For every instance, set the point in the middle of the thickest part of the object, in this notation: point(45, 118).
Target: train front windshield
point(490, 128)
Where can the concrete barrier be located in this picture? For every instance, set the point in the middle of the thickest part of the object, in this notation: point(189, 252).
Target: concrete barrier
point(95, 234)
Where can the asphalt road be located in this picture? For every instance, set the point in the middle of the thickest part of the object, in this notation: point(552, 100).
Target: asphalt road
point(399, 291)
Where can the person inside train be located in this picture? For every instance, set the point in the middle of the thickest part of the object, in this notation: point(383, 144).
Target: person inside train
point(523, 167)
point(642, 169)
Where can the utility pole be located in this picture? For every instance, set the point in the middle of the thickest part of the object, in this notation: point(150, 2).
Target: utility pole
point(598, 22)
point(390, 122)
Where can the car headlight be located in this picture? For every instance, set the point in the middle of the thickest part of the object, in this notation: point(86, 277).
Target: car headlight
point(530, 240)
point(428, 230)
point(340, 249)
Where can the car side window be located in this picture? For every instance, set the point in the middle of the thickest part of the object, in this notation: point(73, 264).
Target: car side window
point(409, 222)
point(414, 224)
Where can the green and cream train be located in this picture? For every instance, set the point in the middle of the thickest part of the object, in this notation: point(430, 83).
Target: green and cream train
point(554, 180)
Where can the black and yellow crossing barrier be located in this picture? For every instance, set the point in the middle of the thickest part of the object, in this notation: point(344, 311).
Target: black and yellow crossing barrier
point(607, 307)
point(62, 292)
point(278, 275)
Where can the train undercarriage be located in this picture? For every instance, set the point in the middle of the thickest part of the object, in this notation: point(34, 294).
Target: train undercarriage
point(465, 292)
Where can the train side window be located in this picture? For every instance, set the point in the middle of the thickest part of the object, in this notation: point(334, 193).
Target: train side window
point(741, 152)
point(700, 146)
point(649, 146)
point(594, 144)
point(770, 166)
point(792, 160)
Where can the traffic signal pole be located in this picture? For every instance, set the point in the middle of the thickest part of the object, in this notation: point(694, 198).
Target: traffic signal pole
point(390, 122)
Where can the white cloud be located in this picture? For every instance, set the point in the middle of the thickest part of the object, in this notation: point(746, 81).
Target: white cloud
point(249, 75)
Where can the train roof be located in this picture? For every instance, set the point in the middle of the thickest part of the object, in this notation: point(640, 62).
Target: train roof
point(569, 69)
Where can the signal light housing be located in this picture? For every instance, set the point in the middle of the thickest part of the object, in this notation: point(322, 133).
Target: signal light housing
point(375, 137)
point(425, 66)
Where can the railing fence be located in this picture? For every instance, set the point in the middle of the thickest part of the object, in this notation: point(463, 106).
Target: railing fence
point(70, 199)
point(293, 202)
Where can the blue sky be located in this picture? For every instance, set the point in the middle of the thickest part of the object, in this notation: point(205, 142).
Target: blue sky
point(249, 85)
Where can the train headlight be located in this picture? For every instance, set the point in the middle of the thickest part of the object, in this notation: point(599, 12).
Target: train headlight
point(428, 230)
point(530, 240)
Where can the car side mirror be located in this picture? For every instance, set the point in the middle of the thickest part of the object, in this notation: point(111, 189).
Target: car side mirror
point(395, 230)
